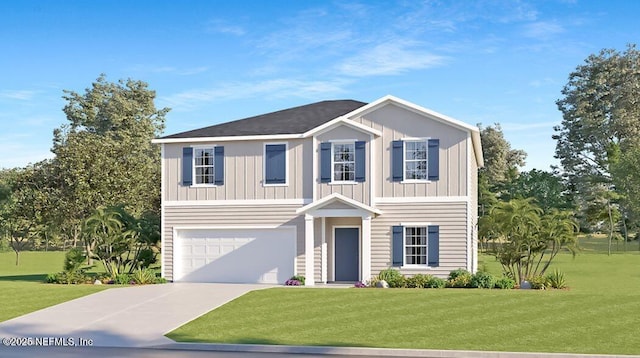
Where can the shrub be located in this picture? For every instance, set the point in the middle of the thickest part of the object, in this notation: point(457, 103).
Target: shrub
point(459, 278)
point(69, 278)
point(393, 277)
point(483, 280)
point(143, 276)
point(359, 284)
point(556, 279)
point(292, 282)
point(145, 258)
point(157, 280)
point(73, 260)
point(417, 281)
point(435, 282)
point(505, 283)
point(122, 279)
point(298, 278)
point(538, 282)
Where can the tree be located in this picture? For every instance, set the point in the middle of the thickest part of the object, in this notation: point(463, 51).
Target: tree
point(547, 189)
point(601, 121)
point(104, 156)
point(525, 239)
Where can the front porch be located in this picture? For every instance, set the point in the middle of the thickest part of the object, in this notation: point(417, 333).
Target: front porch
point(338, 230)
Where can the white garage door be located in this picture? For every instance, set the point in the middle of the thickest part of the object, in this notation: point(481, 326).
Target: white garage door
point(235, 255)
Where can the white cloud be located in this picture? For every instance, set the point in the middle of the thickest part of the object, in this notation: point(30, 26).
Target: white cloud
point(276, 88)
point(223, 27)
point(542, 29)
point(22, 95)
point(389, 58)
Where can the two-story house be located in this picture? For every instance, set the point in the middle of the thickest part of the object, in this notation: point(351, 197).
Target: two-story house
point(333, 190)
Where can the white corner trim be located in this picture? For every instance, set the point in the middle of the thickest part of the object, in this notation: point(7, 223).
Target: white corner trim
point(163, 238)
point(259, 202)
point(422, 199)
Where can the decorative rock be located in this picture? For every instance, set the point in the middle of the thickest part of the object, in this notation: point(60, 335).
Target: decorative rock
point(525, 285)
point(382, 284)
point(97, 282)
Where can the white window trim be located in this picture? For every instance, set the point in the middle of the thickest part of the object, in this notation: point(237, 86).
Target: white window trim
point(404, 159)
point(286, 164)
point(193, 166)
point(404, 246)
point(343, 141)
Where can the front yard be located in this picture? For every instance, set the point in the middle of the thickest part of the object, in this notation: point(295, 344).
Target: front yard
point(598, 314)
point(22, 289)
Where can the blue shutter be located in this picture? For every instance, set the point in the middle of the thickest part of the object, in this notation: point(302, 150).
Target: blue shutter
point(361, 161)
point(434, 245)
point(218, 163)
point(398, 245)
point(325, 162)
point(187, 166)
point(275, 164)
point(397, 160)
point(433, 157)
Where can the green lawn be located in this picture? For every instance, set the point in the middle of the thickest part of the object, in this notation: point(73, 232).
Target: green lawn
point(22, 289)
point(599, 314)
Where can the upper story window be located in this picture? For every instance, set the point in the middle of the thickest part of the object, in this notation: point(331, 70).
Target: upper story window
point(203, 165)
point(275, 164)
point(415, 159)
point(344, 161)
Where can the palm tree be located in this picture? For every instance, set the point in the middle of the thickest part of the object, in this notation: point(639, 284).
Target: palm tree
point(101, 226)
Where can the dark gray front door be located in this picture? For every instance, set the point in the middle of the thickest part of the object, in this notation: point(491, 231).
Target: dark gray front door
point(347, 254)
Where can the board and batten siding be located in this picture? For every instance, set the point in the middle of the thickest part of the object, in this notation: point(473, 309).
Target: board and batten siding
point(230, 216)
point(449, 216)
point(397, 123)
point(243, 173)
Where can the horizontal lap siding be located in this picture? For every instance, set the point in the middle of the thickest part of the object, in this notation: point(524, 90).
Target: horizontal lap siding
point(451, 217)
point(229, 216)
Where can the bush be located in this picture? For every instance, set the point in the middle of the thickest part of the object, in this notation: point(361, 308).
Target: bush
point(145, 258)
point(298, 278)
point(143, 276)
point(483, 280)
point(69, 278)
point(417, 281)
point(292, 282)
point(359, 284)
point(158, 280)
point(73, 260)
point(123, 279)
point(393, 277)
point(435, 282)
point(459, 278)
point(556, 279)
point(538, 282)
point(505, 283)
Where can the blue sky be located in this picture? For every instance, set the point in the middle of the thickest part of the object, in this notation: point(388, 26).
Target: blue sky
point(214, 61)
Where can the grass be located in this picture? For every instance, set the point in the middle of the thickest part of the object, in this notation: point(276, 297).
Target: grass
point(598, 314)
point(22, 289)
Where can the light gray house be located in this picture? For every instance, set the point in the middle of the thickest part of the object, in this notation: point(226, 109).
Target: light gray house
point(334, 191)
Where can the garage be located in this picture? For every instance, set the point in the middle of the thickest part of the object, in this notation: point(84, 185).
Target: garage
point(235, 255)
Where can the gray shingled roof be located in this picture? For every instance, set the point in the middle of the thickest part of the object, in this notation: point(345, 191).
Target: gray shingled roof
point(288, 121)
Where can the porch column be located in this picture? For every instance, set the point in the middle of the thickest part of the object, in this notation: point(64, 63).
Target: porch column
point(366, 248)
point(323, 257)
point(308, 250)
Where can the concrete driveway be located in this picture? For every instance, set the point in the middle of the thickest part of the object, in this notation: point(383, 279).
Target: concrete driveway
point(136, 316)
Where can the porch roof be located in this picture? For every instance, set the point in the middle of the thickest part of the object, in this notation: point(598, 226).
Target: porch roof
point(354, 207)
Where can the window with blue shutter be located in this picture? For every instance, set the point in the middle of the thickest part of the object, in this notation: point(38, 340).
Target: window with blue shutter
point(325, 162)
point(434, 245)
point(275, 164)
point(397, 160)
point(434, 159)
point(361, 165)
point(397, 248)
point(219, 165)
point(187, 166)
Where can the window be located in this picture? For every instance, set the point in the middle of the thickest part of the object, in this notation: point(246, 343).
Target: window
point(344, 162)
point(415, 245)
point(415, 160)
point(275, 164)
point(204, 165)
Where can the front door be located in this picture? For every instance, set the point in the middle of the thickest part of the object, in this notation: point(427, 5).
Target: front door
point(347, 254)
